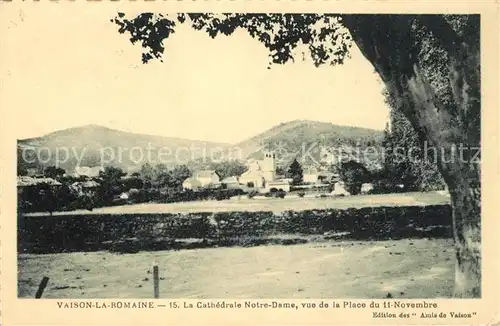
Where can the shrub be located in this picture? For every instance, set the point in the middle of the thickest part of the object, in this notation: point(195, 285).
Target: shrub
point(280, 193)
point(301, 194)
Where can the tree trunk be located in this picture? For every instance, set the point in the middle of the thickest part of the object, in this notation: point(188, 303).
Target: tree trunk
point(390, 44)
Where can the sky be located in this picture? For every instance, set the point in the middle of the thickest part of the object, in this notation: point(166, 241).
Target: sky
point(72, 70)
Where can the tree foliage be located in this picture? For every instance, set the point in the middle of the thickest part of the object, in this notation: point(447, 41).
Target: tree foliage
point(407, 160)
point(353, 174)
point(229, 168)
point(327, 40)
point(295, 172)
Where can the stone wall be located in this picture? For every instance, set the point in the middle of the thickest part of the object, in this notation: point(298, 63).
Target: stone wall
point(134, 232)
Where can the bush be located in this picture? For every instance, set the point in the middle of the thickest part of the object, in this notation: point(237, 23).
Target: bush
point(301, 194)
point(276, 193)
point(95, 232)
point(280, 193)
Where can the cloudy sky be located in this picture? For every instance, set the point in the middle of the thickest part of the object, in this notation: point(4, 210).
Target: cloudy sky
point(71, 70)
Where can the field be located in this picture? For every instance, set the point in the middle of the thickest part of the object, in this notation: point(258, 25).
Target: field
point(408, 268)
point(274, 204)
point(404, 269)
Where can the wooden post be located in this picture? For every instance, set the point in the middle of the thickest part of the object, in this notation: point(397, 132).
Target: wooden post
point(41, 287)
point(156, 282)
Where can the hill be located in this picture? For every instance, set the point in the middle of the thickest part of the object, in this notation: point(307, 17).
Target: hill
point(93, 145)
point(310, 141)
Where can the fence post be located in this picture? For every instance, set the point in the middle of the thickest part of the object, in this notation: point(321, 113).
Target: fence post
point(156, 282)
point(41, 287)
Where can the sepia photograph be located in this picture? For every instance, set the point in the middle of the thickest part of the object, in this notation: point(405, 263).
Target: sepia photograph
point(230, 162)
point(249, 155)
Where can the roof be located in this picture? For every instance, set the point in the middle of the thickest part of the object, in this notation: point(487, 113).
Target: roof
point(24, 181)
point(206, 173)
point(251, 174)
point(86, 184)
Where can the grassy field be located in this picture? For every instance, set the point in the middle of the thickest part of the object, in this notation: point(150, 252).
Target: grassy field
point(404, 269)
point(274, 204)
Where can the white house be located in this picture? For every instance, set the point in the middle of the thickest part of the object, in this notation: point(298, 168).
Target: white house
point(124, 195)
point(191, 184)
point(85, 187)
point(366, 188)
point(254, 176)
point(207, 178)
point(278, 184)
point(339, 189)
point(202, 179)
point(310, 175)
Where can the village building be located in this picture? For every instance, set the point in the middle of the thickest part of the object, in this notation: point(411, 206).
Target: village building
point(366, 188)
point(253, 177)
point(328, 177)
point(191, 184)
point(231, 182)
point(24, 182)
point(340, 190)
point(85, 187)
point(261, 174)
point(310, 175)
point(86, 171)
point(278, 185)
point(208, 178)
point(203, 179)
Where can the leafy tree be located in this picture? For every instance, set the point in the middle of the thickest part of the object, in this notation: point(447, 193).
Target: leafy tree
point(179, 174)
point(280, 170)
point(111, 184)
point(21, 168)
point(405, 161)
point(229, 168)
point(147, 175)
point(430, 64)
point(295, 172)
point(134, 182)
point(354, 174)
point(42, 198)
point(54, 172)
point(112, 173)
point(162, 176)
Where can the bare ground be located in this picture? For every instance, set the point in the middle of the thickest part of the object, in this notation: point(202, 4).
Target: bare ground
point(330, 269)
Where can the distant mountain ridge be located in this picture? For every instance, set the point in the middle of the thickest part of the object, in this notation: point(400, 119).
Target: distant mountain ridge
point(93, 145)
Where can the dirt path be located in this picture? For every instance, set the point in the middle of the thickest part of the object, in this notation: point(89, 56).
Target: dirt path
point(405, 268)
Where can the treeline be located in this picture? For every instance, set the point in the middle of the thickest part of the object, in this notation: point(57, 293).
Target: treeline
point(150, 184)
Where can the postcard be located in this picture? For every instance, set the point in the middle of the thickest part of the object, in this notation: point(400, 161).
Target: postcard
point(249, 162)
